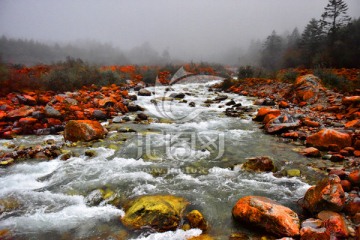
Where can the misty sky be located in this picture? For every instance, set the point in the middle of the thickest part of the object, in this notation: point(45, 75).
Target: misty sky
point(191, 28)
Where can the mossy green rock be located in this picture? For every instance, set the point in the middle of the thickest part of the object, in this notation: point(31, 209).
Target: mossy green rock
point(293, 173)
point(160, 212)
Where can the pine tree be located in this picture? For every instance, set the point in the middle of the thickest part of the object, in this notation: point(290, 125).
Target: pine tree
point(272, 52)
point(312, 42)
point(335, 16)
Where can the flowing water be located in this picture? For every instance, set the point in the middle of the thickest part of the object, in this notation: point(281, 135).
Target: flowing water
point(190, 156)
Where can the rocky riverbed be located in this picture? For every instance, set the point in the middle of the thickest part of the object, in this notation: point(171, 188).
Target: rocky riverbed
point(181, 162)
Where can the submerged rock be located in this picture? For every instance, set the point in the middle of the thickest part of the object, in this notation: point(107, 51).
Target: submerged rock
point(197, 220)
point(160, 212)
point(268, 215)
point(84, 130)
point(144, 92)
point(259, 164)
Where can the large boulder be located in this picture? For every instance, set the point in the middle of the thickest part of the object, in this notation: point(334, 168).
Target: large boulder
point(326, 137)
point(84, 130)
point(268, 215)
point(328, 194)
point(160, 212)
point(306, 89)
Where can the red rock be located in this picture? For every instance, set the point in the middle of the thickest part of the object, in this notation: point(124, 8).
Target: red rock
point(29, 100)
point(339, 116)
point(346, 185)
point(2, 115)
point(352, 207)
point(312, 229)
point(333, 109)
point(357, 153)
point(326, 195)
point(344, 153)
point(351, 100)
point(292, 135)
point(302, 104)
point(106, 102)
point(334, 148)
point(84, 130)
point(262, 112)
point(353, 124)
point(8, 135)
point(27, 121)
point(354, 177)
point(350, 150)
point(79, 115)
point(326, 137)
point(310, 123)
point(283, 104)
point(269, 117)
point(306, 89)
point(355, 115)
point(267, 214)
point(21, 112)
point(335, 224)
point(357, 144)
point(340, 173)
point(311, 152)
point(337, 158)
point(53, 122)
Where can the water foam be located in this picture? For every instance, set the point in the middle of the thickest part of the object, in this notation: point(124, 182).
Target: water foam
point(179, 234)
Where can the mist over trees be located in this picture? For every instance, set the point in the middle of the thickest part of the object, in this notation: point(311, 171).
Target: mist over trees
point(330, 41)
point(30, 52)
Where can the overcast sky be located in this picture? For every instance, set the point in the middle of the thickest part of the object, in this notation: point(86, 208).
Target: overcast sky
point(186, 27)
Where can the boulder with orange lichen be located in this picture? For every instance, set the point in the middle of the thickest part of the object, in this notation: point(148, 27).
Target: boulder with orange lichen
point(84, 130)
point(327, 137)
point(268, 215)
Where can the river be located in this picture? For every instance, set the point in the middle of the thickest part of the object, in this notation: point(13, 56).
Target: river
point(186, 151)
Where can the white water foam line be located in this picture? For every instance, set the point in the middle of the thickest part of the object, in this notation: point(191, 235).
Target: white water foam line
point(179, 234)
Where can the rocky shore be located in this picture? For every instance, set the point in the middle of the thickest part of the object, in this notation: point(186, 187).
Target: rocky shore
point(327, 124)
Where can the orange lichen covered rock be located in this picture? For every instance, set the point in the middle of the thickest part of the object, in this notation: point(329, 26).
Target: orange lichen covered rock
point(326, 137)
point(306, 89)
point(351, 100)
point(265, 111)
point(84, 130)
point(267, 214)
point(328, 194)
point(20, 112)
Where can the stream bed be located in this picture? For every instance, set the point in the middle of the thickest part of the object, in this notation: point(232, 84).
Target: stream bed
point(187, 151)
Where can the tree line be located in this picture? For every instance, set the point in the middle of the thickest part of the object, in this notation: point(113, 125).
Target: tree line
point(333, 41)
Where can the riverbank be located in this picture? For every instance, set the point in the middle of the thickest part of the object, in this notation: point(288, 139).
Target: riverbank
point(327, 124)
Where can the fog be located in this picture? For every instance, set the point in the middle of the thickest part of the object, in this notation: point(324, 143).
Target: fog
point(188, 29)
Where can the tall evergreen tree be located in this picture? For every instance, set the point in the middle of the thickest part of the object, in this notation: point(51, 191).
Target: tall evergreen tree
point(312, 43)
point(271, 55)
point(335, 16)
